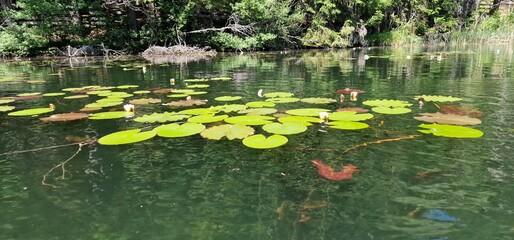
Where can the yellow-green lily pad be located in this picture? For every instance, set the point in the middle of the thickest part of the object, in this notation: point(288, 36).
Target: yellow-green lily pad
point(127, 86)
point(221, 78)
point(198, 86)
point(284, 128)
point(259, 141)
point(199, 111)
point(349, 116)
point(311, 112)
point(141, 92)
point(318, 100)
point(260, 104)
point(53, 94)
point(258, 111)
point(230, 108)
point(110, 115)
point(4, 101)
point(305, 120)
point(126, 137)
point(434, 98)
point(174, 130)
point(450, 131)
point(231, 131)
point(6, 108)
point(387, 103)
point(207, 118)
point(283, 100)
point(278, 95)
point(250, 120)
point(28, 94)
point(228, 98)
point(76, 96)
point(196, 80)
point(345, 125)
point(183, 91)
point(161, 117)
point(31, 112)
point(389, 110)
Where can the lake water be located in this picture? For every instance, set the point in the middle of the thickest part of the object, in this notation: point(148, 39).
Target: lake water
point(192, 188)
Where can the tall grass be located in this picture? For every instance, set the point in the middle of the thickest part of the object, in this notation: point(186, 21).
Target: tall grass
point(493, 29)
point(394, 38)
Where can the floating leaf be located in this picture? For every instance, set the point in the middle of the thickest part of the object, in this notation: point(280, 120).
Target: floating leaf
point(344, 125)
point(306, 121)
point(179, 95)
point(230, 108)
point(76, 96)
point(285, 128)
point(28, 94)
point(115, 95)
point(387, 103)
point(71, 89)
point(353, 109)
point(318, 100)
point(4, 101)
point(433, 98)
point(197, 93)
point(174, 130)
point(260, 104)
point(207, 118)
point(98, 92)
point(103, 104)
point(450, 131)
point(389, 110)
point(53, 94)
point(349, 91)
point(228, 98)
point(164, 90)
point(307, 111)
point(19, 98)
point(198, 86)
point(328, 172)
point(183, 91)
point(283, 100)
point(6, 108)
point(127, 86)
point(350, 116)
point(250, 120)
point(452, 119)
point(91, 109)
point(231, 131)
point(278, 95)
point(258, 111)
point(126, 137)
point(462, 110)
point(65, 117)
point(161, 117)
point(187, 103)
point(196, 80)
point(199, 111)
point(220, 78)
point(141, 92)
point(259, 141)
point(31, 112)
point(143, 101)
point(110, 115)
point(109, 100)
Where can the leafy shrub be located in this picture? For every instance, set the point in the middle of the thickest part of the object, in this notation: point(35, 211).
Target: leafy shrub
point(21, 40)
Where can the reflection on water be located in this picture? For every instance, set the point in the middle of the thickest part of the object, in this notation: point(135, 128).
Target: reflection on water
point(193, 188)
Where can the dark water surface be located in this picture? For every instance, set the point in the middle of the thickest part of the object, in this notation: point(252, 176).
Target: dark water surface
point(193, 188)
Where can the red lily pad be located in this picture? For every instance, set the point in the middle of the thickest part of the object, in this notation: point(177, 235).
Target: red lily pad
point(187, 103)
point(162, 90)
point(328, 172)
point(143, 101)
point(348, 91)
point(64, 117)
point(353, 109)
point(452, 119)
point(462, 110)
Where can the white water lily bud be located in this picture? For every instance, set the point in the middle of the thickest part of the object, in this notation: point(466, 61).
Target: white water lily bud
point(353, 96)
point(188, 98)
point(129, 108)
point(144, 69)
point(172, 81)
point(323, 116)
point(259, 93)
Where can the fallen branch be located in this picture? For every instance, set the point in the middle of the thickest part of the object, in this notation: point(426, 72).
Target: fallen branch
point(380, 141)
point(45, 148)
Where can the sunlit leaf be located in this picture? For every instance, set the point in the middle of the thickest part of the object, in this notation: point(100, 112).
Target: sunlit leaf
point(110, 115)
point(187, 103)
point(109, 100)
point(143, 101)
point(183, 91)
point(221, 78)
point(353, 109)
point(126, 137)
point(198, 86)
point(306, 121)
point(4, 101)
point(318, 100)
point(278, 95)
point(115, 95)
point(65, 117)
point(250, 120)
point(307, 111)
point(452, 119)
point(283, 100)
point(196, 80)
point(450, 131)
point(260, 104)
point(127, 86)
point(231, 131)
point(259, 141)
point(161, 117)
point(345, 125)
point(6, 108)
point(328, 172)
point(28, 94)
point(286, 128)
point(258, 111)
point(350, 116)
point(141, 92)
point(197, 93)
point(207, 118)
point(387, 103)
point(76, 96)
point(31, 112)
point(174, 130)
point(98, 92)
point(103, 104)
point(433, 98)
point(389, 110)
point(53, 94)
point(178, 95)
point(230, 108)
point(228, 98)
point(199, 111)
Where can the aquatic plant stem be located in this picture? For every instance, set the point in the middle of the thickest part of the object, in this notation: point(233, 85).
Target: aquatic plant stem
point(379, 142)
point(46, 148)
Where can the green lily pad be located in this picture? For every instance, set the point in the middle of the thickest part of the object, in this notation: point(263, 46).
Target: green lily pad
point(141, 92)
point(143, 101)
point(4, 101)
point(433, 98)
point(258, 111)
point(187, 103)
point(318, 100)
point(199, 111)
point(387, 103)
point(98, 92)
point(109, 100)
point(127, 86)
point(198, 86)
point(312, 112)
point(103, 104)
point(348, 125)
point(450, 131)
point(71, 89)
point(161, 117)
point(230, 108)
point(283, 100)
point(53, 94)
point(250, 120)
point(183, 91)
point(389, 110)
point(285, 128)
point(115, 95)
point(260, 104)
point(231, 131)
point(28, 94)
point(6, 108)
point(174, 130)
point(30, 112)
point(196, 80)
point(110, 115)
point(221, 78)
point(259, 141)
point(126, 137)
point(306, 121)
point(76, 96)
point(350, 116)
point(178, 95)
point(207, 118)
point(278, 95)
point(228, 98)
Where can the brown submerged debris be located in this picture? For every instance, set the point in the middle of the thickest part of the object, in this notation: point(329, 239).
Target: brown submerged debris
point(177, 54)
point(64, 117)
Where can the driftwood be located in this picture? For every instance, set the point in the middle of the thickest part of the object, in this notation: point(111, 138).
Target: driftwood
point(177, 54)
point(70, 51)
point(232, 25)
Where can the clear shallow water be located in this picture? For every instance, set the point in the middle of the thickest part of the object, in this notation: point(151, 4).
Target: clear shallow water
point(192, 188)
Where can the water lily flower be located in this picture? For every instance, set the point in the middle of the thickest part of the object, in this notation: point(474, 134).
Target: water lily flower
point(323, 116)
point(129, 108)
point(172, 81)
point(259, 93)
point(353, 96)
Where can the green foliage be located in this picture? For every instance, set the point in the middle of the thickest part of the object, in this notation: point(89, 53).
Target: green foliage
point(20, 40)
point(396, 38)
